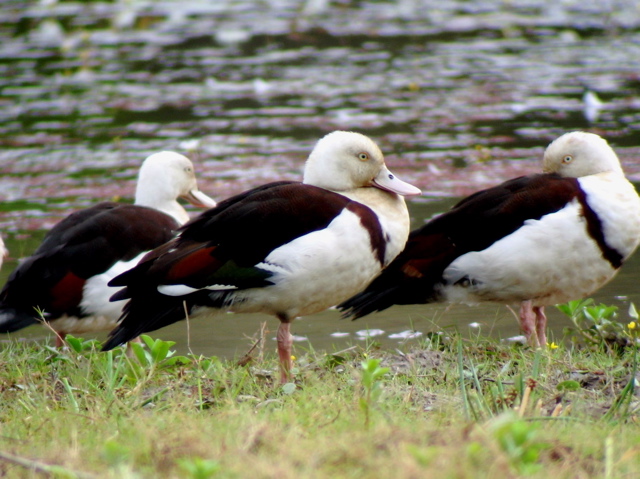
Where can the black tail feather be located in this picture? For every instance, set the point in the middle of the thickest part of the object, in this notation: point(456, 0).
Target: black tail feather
point(143, 316)
point(365, 303)
point(12, 319)
point(153, 311)
point(380, 296)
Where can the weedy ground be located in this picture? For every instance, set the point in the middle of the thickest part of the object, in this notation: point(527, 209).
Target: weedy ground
point(453, 408)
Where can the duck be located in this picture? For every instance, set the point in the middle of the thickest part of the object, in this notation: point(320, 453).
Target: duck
point(532, 241)
point(285, 248)
point(64, 282)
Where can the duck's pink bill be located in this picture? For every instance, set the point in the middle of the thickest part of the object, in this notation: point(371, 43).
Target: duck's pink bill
point(199, 199)
point(390, 182)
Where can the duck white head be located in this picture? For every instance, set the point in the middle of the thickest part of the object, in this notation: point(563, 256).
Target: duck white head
point(578, 154)
point(166, 176)
point(343, 161)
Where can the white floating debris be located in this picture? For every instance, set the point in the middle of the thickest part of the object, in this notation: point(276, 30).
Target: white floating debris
point(314, 7)
point(369, 333)
point(261, 87)
point(519, 108)
point(569, 36)
point(190, 145)
point(231, 36)
point(408, 334)
point(591, 106)
point(474, 325)
point(296, 339)
point(49, 32)
point(125, 16)
point(339, 334)
point(516, 339)
point(433, 169)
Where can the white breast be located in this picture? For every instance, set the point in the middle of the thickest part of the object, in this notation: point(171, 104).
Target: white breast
point(316, 271)
point(393, 216)
point(615, 200)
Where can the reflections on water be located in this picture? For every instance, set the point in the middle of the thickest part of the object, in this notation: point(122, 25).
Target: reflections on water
point(449, 91)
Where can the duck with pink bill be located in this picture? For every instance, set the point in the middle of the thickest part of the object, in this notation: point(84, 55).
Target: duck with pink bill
point(531, 242)
point(65, 281)
point(288, 249)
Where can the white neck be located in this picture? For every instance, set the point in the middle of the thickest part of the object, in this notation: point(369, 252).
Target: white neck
point(158, 199)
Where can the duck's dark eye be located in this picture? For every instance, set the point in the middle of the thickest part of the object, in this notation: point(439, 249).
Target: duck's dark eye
point(567, 159)
point(363, 157)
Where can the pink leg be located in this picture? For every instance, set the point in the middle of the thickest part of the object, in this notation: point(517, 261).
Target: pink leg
point(130, 353)
point(60, 339)
point(285, 342)
point(541, 325)
point(528, 323)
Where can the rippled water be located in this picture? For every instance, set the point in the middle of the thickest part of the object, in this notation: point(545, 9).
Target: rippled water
point(460, 95)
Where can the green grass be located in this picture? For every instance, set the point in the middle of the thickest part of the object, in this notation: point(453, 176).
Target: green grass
point(463, 408)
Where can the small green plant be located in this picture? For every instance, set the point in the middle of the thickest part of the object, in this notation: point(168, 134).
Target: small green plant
point(621, 407)
point(372, 373)
point(289, 388)
point(596, 325)
point(517, 439)
point(80, 345)
point(198, 468)
point(115, 453)
point(158, 355)
point(486, 397)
